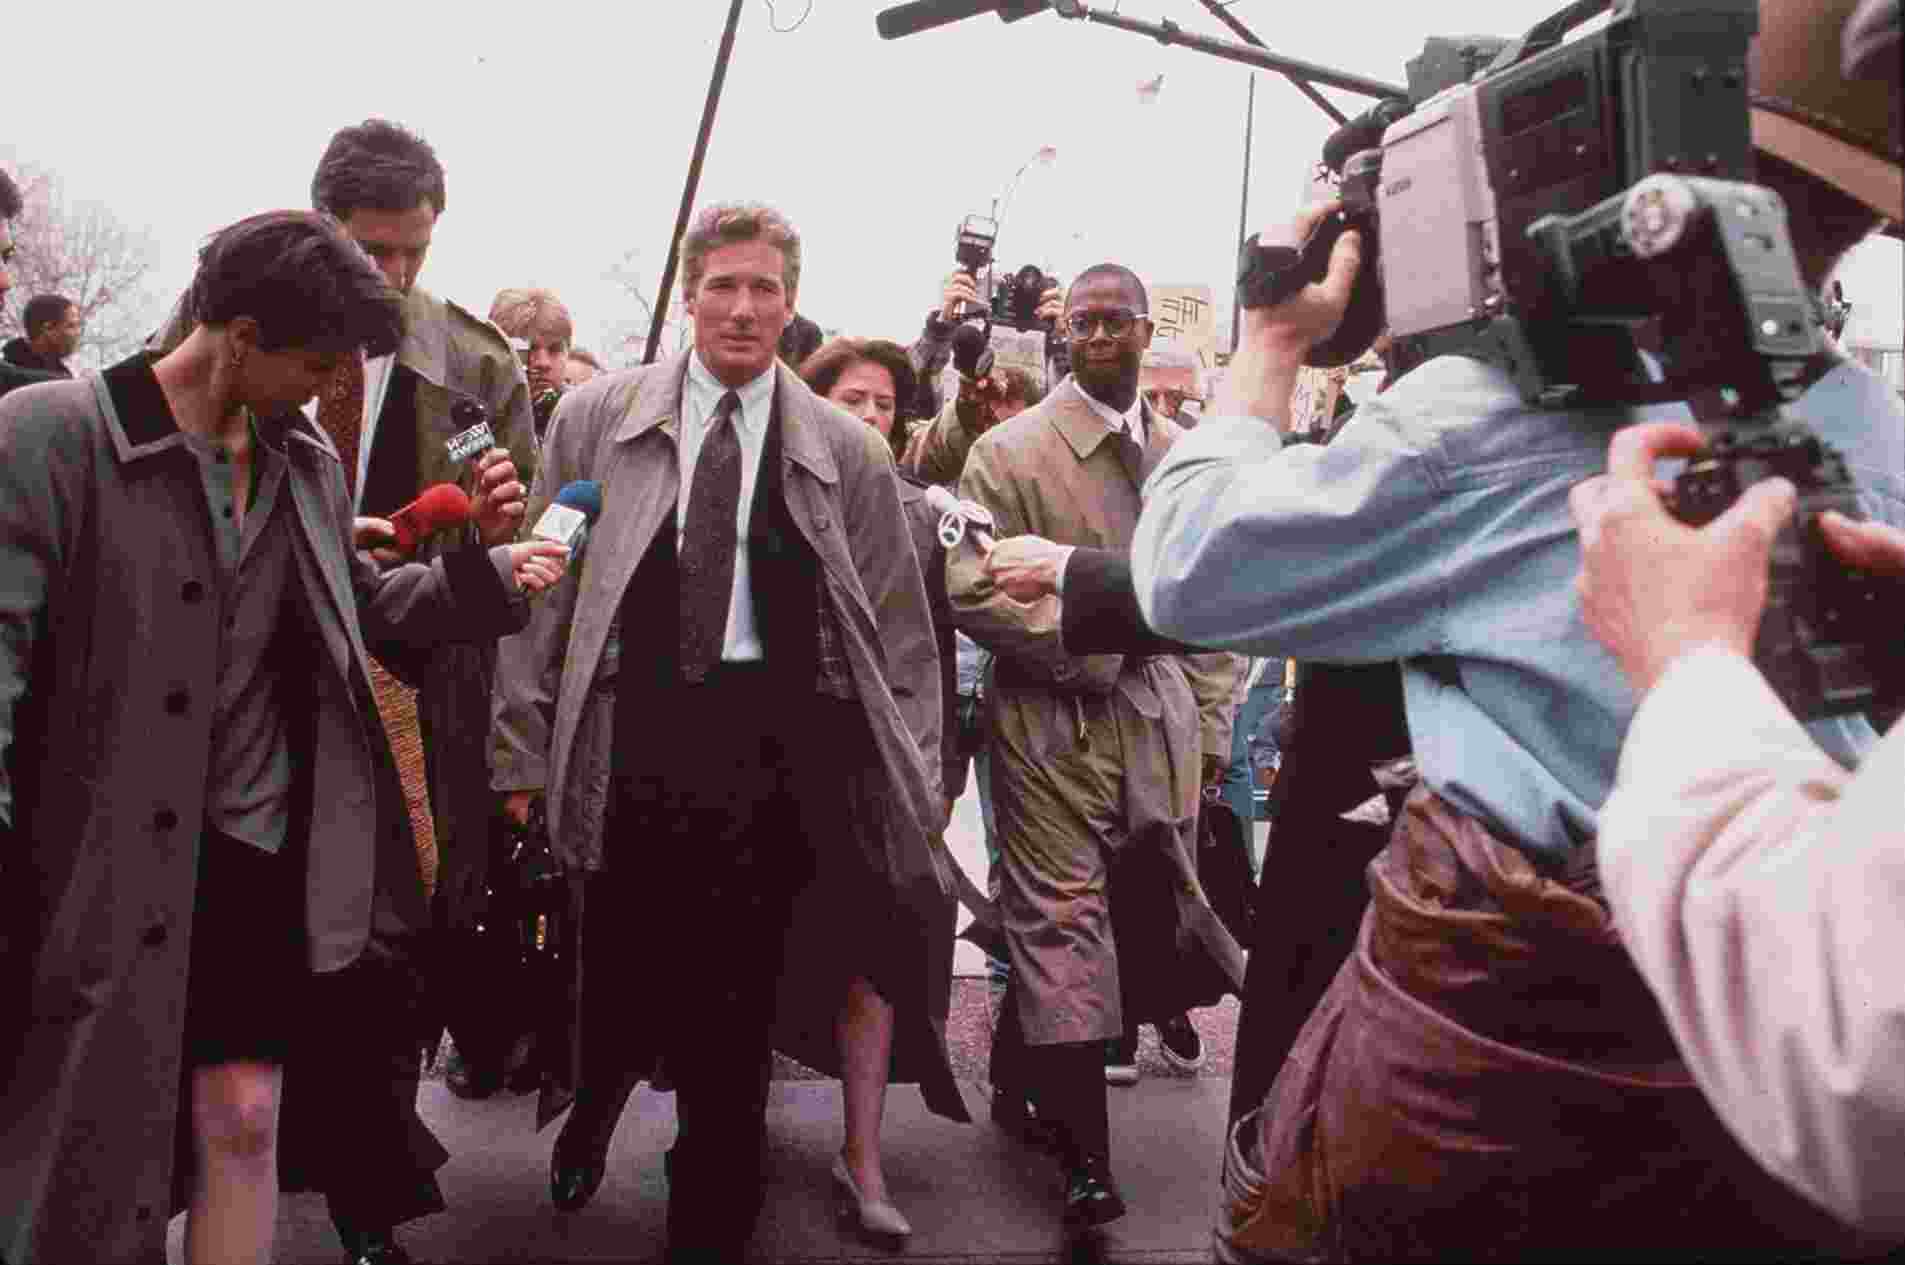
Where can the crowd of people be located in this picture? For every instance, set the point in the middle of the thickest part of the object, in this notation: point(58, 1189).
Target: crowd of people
point(324, 737)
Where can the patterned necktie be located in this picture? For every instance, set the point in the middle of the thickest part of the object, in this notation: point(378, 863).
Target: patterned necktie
point(341, 415)
point(708, 542)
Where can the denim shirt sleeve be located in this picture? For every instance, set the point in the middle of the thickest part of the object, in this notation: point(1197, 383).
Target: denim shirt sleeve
point(1305, 551)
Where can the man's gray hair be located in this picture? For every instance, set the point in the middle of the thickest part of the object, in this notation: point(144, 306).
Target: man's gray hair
point(730, 224)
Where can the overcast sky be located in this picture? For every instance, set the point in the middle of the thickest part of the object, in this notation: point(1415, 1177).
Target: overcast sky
point(565, 131)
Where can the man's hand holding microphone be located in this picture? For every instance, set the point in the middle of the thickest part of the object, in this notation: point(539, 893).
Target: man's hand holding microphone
point(496, 509)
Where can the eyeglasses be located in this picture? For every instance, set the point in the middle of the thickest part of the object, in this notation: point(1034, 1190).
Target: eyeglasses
point(1117, 324)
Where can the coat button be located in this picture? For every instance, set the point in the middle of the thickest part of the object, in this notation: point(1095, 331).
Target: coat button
point(822, 522)
point(165, 819)
point(176, 702)
point(153, 936)
point(192, 591)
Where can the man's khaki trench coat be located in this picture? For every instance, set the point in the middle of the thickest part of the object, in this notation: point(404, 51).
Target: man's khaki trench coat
point(555, 699)
point(109, 602)
point(1092, 755)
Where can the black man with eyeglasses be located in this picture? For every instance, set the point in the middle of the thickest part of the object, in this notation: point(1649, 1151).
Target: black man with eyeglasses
point(1094, 758)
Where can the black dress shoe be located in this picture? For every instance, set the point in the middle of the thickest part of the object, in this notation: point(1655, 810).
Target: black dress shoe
point(1091, 1197)
point(578, 1160)
point(372, 1247)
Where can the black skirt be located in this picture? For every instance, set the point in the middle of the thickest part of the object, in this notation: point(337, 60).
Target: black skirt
point(250, 967)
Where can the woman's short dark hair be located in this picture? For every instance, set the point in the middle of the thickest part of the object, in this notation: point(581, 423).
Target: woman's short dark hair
point(380, 166)
point(822, 371)
point(304, 281)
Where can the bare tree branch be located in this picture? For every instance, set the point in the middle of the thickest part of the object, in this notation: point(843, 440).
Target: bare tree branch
point(628, 338)
point(81, 250)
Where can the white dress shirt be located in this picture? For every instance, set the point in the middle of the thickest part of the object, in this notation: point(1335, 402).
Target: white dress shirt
point(1761, 891)
point(701, 392)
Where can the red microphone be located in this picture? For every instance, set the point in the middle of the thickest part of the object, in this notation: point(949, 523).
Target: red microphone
point(440, 506)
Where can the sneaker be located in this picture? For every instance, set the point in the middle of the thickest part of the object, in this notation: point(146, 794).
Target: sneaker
point(1121, 1061)
point(1180, 1045)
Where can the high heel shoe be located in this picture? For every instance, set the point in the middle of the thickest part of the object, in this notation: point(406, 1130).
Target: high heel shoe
point(877, 1218)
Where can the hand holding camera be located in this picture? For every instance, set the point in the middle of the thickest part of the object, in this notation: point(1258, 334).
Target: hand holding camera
point(1285, 301)
point(960, 296)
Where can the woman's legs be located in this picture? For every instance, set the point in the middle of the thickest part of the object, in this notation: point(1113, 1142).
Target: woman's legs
point(864, 1031)
point(234, 1208)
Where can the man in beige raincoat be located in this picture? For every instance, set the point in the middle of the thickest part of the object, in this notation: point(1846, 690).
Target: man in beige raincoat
point(1093, 757)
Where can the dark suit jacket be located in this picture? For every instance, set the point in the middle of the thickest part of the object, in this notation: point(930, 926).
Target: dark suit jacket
point(1099, 613)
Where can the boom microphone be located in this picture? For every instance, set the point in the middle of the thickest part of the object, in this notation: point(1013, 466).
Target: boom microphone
point(569, 516)
point(924, 15)
point(441, 505)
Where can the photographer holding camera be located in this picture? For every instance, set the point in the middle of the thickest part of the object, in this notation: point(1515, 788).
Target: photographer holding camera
point(1489, 1066)
point(987, 395)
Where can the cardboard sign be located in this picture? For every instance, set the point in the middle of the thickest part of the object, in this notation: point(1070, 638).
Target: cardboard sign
point(1186, 317)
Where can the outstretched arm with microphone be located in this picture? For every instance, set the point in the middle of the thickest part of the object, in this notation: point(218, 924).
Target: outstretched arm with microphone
point(496, 511)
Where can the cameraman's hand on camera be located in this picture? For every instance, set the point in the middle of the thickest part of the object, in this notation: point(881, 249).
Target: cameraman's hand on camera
point(959, 296)
point(1653, 588)
point(1275, 339)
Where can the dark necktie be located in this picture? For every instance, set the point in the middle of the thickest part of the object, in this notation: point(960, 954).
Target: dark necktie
point(708, 543)
point(341, 414)
point(1131, 454)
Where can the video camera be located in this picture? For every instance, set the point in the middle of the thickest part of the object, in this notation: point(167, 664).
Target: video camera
point(1546, 205)
point(1548, 211)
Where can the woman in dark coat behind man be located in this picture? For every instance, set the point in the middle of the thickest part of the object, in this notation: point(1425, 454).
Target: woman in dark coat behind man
point(870, 378)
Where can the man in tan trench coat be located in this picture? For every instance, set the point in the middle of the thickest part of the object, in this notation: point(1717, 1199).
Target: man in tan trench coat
point(1091, 755)
point(725, 712)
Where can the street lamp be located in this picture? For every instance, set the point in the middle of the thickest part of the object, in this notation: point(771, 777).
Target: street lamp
point(1043, 156)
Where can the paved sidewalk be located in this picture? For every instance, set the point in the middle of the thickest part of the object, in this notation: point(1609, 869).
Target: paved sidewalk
point(971, 1193)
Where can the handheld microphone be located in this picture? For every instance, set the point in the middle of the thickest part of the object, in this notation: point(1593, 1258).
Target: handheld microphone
point(441, 505)
point(475, 437)
point(569, 516)
point(957, 518)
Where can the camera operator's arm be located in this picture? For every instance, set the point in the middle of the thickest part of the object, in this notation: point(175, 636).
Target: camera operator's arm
point(1759, 887)
point(1098, 608)
point(1344, 553)
point(937, 453)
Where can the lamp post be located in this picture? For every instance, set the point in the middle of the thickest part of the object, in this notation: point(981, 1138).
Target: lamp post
point(1043, 156)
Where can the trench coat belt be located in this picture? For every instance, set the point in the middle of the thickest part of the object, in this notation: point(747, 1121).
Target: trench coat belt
point(1014, 676)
